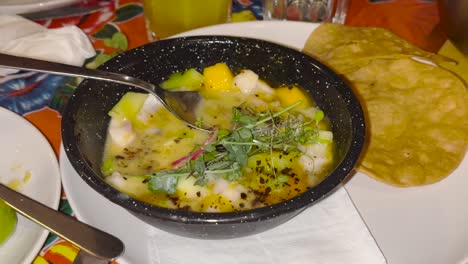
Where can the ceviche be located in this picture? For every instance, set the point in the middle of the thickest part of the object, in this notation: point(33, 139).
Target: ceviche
point(266, 145)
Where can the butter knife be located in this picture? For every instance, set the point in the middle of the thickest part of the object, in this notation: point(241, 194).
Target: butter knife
point(98, 244)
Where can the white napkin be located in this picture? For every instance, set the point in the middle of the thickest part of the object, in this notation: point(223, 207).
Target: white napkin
point(22, 37)
point(329, 232)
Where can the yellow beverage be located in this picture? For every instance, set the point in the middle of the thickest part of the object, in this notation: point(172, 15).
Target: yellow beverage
point(169, 17)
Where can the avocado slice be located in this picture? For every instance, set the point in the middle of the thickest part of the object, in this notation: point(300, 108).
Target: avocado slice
point(189, 80)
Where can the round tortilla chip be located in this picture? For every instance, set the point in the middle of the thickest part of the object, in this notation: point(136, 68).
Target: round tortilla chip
point(418, 116)
point(347, 49)
point(417, 112)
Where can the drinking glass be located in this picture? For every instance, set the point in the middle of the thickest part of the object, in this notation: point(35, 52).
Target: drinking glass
point(306, 10)
point(169, 17)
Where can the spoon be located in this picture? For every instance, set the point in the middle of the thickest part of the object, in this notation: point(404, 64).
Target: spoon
point(91, 240)
point(181, 104)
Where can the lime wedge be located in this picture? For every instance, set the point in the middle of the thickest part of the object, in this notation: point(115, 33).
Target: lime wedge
point(8, 221)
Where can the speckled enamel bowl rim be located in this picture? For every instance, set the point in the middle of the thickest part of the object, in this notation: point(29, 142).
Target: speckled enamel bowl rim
point(299, 202)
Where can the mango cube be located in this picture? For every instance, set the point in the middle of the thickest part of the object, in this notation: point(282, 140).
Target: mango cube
point(218, 78)
point(288, 95)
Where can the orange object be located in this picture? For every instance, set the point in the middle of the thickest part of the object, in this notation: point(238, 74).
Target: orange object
point(62, 252)
point(414, 20)
point(139, 34)
point(48, 122)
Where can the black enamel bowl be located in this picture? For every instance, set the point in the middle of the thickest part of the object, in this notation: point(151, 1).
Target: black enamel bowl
point(85, 122)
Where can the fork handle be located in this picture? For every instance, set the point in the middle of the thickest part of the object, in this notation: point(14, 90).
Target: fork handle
point(22, 63)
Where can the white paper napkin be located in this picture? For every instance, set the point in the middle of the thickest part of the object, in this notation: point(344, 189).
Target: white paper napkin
point(22, 37)
point(330, 232)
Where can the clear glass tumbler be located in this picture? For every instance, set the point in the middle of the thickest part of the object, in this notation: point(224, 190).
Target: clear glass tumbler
point(306, 10)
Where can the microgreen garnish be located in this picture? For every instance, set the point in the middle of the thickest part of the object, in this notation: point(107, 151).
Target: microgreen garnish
point(199, 122)
point(227, 152)
point(165, 181)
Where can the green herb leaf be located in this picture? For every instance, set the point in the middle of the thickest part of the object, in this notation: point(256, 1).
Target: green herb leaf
point(222, 133)
point(164, 182)
point(199, 122)
point(242, 158)
point(201, 182)
point(198, 166)
point(239, 117)
point(235, 172)
point(244, 134)
point(209, 148)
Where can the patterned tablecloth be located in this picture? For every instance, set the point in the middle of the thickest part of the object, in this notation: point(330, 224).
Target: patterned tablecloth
point(41, 98)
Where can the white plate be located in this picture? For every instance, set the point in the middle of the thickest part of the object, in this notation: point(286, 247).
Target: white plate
point(24, 148)
point(28, 6)
point(417, 225)
point(412, 226)
point(92, 208)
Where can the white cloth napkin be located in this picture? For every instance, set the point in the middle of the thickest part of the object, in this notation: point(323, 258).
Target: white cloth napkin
point(330, 232)
point(22, 37)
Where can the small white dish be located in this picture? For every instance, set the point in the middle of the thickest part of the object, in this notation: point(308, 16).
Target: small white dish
point(25, 150)
point(28, 6)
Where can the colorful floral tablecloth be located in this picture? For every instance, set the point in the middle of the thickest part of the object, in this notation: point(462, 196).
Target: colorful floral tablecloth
point(120, 25)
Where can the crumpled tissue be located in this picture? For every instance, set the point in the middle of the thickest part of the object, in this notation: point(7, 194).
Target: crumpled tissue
point(25, 38)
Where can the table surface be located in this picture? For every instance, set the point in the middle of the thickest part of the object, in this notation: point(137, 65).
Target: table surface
point(415, 20)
